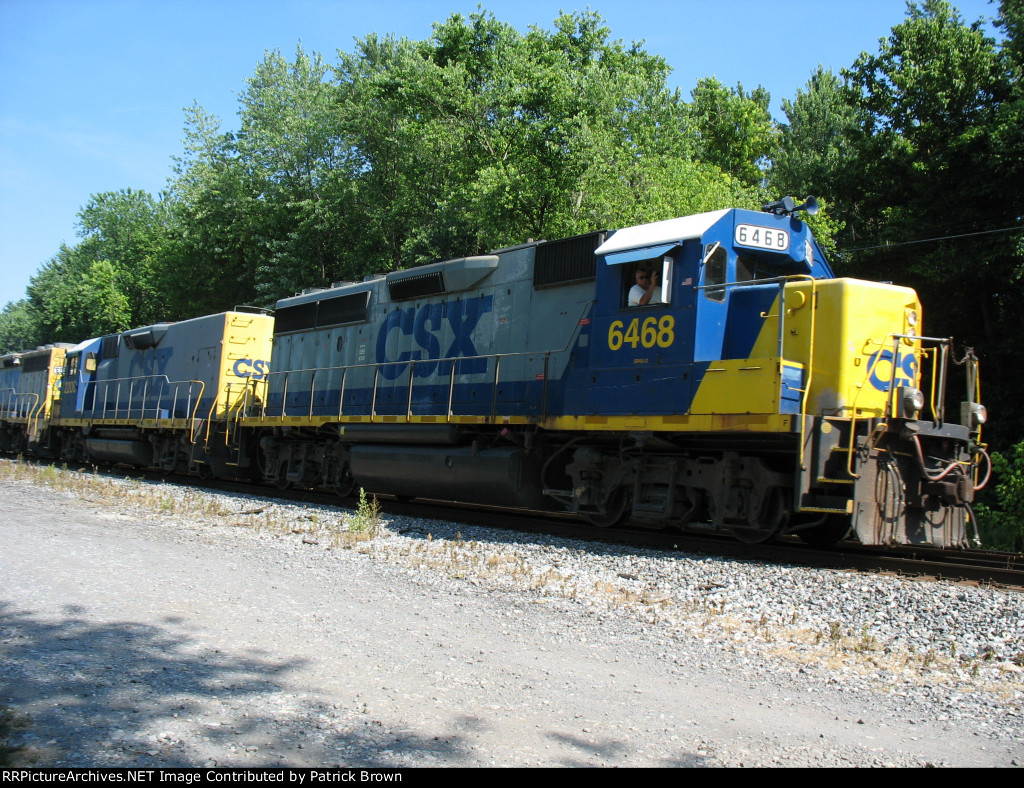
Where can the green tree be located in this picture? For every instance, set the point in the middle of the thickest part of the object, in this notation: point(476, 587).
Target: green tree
point(123, 229)
point(813, 152)
point(19, 329)
point(733, 128)
point(105, 282)
point(411, 151)
point(932, 164)
point(56, 296)
point(482, 136)
point(1001, 519)
point(205, 264)
point(296, 171)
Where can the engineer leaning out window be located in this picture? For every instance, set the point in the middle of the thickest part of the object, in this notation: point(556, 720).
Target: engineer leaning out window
point(647, 289)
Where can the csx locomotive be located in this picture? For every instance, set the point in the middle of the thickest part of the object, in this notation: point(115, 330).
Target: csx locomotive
point(702, 373)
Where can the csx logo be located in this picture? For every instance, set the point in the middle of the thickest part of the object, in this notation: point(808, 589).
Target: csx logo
point(424, 325)
point(147, 364)
point(256, 369)
point(881, 365)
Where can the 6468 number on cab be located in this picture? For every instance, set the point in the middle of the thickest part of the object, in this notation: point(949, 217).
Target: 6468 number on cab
point(651, 332)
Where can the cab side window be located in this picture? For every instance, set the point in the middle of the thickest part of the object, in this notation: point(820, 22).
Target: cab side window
point(746, 268)
point(715, 270)
point(647, 282)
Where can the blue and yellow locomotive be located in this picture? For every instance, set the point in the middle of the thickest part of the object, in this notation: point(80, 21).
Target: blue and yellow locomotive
point(705, 372)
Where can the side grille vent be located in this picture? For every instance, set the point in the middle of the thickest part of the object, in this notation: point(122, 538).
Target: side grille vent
point(108, 347)
point(324, 313)
point(35, 363)
point(568, 260)
point(430, 283)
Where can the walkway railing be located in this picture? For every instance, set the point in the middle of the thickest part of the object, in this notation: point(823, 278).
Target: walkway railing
point(146, 397)
point(15, 405)
point(324, 381)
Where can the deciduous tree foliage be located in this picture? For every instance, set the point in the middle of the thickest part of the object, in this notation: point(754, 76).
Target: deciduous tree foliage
point(105, 282)
point(404, 152)
point(18, 327)
point(920, 158)
point(411, 151)
point(734, 129)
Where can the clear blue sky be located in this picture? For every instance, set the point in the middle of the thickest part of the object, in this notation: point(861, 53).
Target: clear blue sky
point(92, 91)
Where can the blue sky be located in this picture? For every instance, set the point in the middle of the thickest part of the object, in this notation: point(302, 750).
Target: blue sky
point(92, 91)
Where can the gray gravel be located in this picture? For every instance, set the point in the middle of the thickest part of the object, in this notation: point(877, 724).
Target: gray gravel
point(181, 629)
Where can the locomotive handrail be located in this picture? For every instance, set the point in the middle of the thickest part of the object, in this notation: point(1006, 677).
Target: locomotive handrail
point(238, 407)
point(936, 396)
point(209, 421)
point(17, 405)
point(451, 361)
point(782, 281)
point(102, 389)
point(853, 407)
point(32, 425)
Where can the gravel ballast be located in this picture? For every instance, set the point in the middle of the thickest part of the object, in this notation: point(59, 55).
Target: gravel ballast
point(146, 624)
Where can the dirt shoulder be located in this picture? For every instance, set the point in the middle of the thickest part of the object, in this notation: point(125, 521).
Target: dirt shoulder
point(161, 640)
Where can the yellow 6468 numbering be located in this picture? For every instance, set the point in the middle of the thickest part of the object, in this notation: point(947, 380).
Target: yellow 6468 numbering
point(652, 331)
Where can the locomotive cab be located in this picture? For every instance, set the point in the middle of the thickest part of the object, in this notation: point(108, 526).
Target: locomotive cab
point(760, 394)
point(719, 273)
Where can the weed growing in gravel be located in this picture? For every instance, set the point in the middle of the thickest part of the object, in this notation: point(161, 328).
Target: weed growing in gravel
point(47, 474)
point(367, 519)
point(102, 489)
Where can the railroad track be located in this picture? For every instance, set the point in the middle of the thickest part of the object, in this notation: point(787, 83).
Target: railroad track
point(925, 563)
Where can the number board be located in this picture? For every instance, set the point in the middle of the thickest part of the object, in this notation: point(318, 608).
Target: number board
point(762, 237)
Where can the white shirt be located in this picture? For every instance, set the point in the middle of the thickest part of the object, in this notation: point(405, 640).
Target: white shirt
point(636, 292)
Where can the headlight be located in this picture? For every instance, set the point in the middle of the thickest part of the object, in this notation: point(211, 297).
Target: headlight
point(973, 414)
point(911, 402)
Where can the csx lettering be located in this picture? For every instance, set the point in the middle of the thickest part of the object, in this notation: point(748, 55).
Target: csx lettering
point(425, 325)
point(148, 364)
point(651, 332)
point(251, 368)
point(881, 370)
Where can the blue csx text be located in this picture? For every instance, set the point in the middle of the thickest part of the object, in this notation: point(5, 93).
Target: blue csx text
point(881, 367)
point(251, 368)
point(424, 325)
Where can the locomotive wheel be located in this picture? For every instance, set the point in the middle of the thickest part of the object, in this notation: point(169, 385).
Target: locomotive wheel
point(775, 513)
point(614, 513)
point(262, 465)
point(346, 486)
point(282, 482)
point(826, 534)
